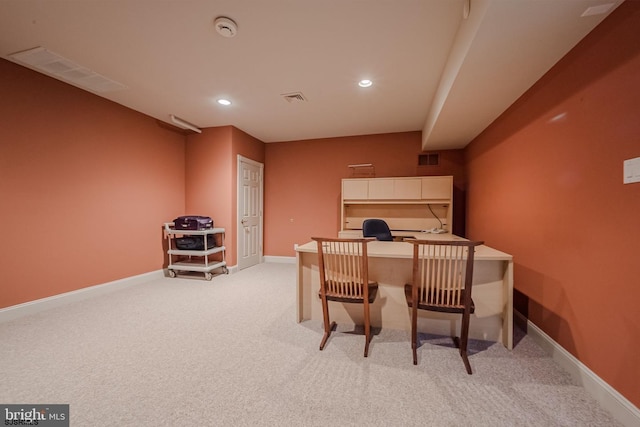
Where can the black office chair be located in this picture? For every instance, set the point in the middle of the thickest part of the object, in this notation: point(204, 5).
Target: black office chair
point(377, 228)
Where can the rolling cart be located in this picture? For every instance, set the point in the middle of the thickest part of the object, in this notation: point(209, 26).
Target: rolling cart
point(196, 260)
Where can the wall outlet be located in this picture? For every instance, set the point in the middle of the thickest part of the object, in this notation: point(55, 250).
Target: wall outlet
point(631, 171)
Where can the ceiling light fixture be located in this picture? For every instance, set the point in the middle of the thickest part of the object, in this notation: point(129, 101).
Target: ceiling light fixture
point(183, 124)
point(365, 83)
point(224, 102)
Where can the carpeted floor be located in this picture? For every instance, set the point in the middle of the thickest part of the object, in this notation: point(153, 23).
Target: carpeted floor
point(228, 352)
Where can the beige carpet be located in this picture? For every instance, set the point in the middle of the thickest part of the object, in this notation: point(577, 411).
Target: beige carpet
point(228, 352)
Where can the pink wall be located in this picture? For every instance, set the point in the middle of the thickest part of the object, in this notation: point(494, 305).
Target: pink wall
point(85, 185)
point(208, 181)
point(211, 177)
point(89, 184)
point(303, 181)
point(545, 184)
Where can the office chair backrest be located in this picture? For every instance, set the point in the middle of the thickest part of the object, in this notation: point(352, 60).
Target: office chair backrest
point(377, 228)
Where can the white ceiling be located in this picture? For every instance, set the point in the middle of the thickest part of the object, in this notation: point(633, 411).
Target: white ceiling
point(433, 70)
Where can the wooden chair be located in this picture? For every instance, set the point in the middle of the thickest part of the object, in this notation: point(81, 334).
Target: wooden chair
point(442, 277)
point(344, 278)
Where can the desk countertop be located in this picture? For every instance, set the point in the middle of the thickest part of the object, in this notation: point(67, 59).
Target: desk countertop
point(377, 249)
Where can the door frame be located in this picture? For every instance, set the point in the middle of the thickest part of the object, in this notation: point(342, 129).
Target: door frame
point(239, 227)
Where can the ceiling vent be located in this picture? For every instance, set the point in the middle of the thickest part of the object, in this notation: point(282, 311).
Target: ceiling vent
point(294, 97)
point(54, 65)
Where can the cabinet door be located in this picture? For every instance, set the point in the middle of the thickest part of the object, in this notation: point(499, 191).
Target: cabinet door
point(395, 189)
point(437, 187)
point(407, 189)
point(355, 189)
point(381, 189)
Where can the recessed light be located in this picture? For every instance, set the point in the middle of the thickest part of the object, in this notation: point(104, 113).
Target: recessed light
point(224, 102)
point(365, 83)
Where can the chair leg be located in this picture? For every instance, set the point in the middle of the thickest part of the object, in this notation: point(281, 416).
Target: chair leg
point(327, 332)
point(328, 326)
point(464, 338)
point(414, 335)
point(367, 329)
point(366, 344)
point(414, 331)
point(415, 352)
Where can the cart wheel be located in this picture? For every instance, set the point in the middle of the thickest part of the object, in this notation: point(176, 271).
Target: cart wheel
point(172, 273)
point(208, 276)
point(225, 270)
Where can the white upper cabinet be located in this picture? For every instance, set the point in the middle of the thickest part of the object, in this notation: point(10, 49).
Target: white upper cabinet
point(437, 188)
point(382, 189)
point(408, 189)
point(406, 203)
point(355, 189)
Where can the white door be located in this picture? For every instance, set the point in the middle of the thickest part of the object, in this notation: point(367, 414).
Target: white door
point(250, 188)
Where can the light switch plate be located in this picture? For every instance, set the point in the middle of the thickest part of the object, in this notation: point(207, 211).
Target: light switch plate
point(631, 170)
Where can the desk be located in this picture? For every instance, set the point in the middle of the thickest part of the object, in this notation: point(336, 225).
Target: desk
point(390, 264)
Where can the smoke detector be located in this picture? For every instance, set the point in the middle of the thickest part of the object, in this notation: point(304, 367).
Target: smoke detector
point(225, 26)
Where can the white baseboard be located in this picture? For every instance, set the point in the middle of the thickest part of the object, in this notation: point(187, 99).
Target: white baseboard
point(620, 407)
point(281, 259)
point(32, 307)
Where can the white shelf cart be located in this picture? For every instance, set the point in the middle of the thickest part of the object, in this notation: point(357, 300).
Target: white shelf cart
point(194, 260)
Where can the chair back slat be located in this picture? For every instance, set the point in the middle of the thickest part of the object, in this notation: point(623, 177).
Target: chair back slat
point(441, 270)
point(343, 267)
